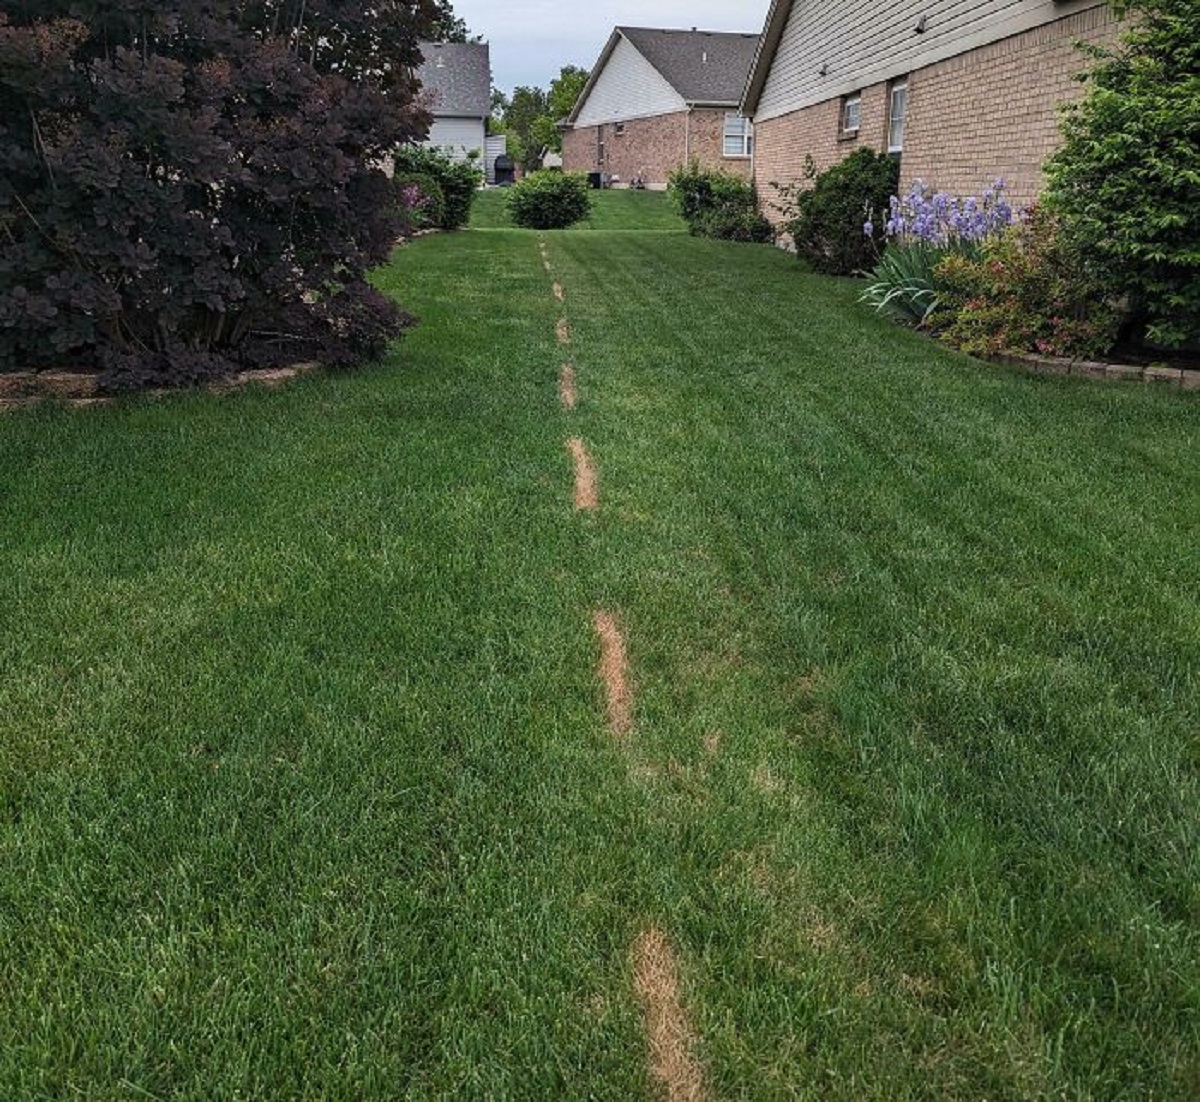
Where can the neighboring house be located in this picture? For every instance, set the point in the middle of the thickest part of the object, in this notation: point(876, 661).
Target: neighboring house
point(456, 87)
point(961, 91)
point(660, 99)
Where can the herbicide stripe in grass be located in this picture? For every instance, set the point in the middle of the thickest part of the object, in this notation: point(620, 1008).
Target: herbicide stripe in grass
point(562, 331)
point(568, 393)
point(587, 493)
point(559, 294)
point(670, 1037)
point(614, 674)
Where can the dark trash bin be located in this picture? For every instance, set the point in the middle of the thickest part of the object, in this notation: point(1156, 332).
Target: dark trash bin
point(506, 171)
point(595, 181)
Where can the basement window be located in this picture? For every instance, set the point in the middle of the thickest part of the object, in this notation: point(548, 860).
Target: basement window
point(851, 114)
point(739, 136)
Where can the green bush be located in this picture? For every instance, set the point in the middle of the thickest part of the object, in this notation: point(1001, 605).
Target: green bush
point(1025, 291)
point(717, 204)
point(459, 182)
point(422, 201)
point(826, 220)
point(550, 200)
point(1127, 181)
point(745, 225)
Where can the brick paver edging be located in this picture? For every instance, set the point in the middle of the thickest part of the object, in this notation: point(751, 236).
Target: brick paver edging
point(1094, 369)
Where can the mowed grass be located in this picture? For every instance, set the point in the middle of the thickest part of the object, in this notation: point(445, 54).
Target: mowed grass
point(305, 789)
point(612, 211)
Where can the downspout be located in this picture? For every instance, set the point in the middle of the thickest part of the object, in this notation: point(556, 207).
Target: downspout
point(687, 137)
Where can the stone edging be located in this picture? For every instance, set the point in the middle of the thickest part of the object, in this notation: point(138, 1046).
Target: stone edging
point(1092, 369)
point(80, 390)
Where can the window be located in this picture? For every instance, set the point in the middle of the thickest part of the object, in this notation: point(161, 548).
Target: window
point(896, 116)
point(739, 136)
point(619, 129)
point(851, 114)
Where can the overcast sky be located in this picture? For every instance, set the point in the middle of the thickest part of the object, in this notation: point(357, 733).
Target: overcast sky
point(532, 39)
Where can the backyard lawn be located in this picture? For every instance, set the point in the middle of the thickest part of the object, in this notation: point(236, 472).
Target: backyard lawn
point(306, 784)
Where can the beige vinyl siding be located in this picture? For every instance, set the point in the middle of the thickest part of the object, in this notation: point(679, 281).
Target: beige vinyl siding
point(628, 88)
point(863, 42)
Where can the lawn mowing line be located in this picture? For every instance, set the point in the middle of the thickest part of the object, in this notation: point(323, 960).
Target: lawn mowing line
point(670, 1035)
point(587, 495)
point(614, 673)
point(563, 331)
point(568, 393)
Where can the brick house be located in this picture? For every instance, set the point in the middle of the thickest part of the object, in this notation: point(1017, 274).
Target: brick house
point(961, 92)
point(660, 99)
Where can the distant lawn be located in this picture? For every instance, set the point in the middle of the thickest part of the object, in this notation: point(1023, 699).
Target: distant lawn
point(305, 784)
point(647, 211)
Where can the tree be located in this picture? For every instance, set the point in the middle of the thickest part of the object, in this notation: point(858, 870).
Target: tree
point(1126, 183)
point(191, 186)
point(565, 90)
point(447, 27)
point(524, 121)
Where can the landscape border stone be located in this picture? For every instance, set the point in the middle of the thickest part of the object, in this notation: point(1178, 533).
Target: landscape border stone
point(81, 390)
point(1093, 369)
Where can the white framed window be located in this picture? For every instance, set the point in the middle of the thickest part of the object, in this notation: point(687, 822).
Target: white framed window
point(739, 136)
point(897, 113)
point(851, 114)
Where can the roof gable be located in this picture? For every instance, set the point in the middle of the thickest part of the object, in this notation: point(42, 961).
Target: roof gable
point(456, 79)
point(697, 67)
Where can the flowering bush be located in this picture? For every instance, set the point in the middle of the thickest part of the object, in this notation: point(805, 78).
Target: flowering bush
point(1023, 292)
point(422, 201)
point(457, 182)
point(923, 228)
point(943, 221)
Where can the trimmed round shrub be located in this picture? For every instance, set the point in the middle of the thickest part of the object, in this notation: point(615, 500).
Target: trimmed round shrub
point(550, 200)
point(830, 215)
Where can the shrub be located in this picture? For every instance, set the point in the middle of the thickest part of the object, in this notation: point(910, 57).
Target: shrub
point(826, 219)
point(922, 229)
point(459, 181)
point(1126, 183)
point(196, 186)
point(717, 204)
point(1023, 292)
point(745, 225)
point(421, 199)
point(550, 200)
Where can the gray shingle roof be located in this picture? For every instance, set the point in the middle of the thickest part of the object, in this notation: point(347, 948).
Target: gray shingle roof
point(702, 66)
point(457, 77)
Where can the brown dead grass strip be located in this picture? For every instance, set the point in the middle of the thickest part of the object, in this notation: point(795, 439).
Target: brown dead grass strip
point(559, 293)
point(568, 393)
point(672, 1042)
point(563, 331)
point(614, 674)
point(587, 496)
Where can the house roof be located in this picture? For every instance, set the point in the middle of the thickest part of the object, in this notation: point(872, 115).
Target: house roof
point(764, 54)
point(457, 78)
point(704, 67)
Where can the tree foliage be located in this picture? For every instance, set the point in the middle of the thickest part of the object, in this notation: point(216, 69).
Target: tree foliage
point(193, 185)
point(531, 116)
point(1126, 183)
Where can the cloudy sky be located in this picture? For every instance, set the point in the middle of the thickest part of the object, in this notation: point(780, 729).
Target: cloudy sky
point(532, 39)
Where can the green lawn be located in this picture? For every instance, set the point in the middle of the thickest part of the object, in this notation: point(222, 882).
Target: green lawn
point(612, 211)
point(305, 787)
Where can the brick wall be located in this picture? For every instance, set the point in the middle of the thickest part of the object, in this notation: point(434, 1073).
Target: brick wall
point(653, 148)
point(987, 113)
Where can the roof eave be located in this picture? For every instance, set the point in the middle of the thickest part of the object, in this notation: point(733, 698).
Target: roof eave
point(764, 56)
